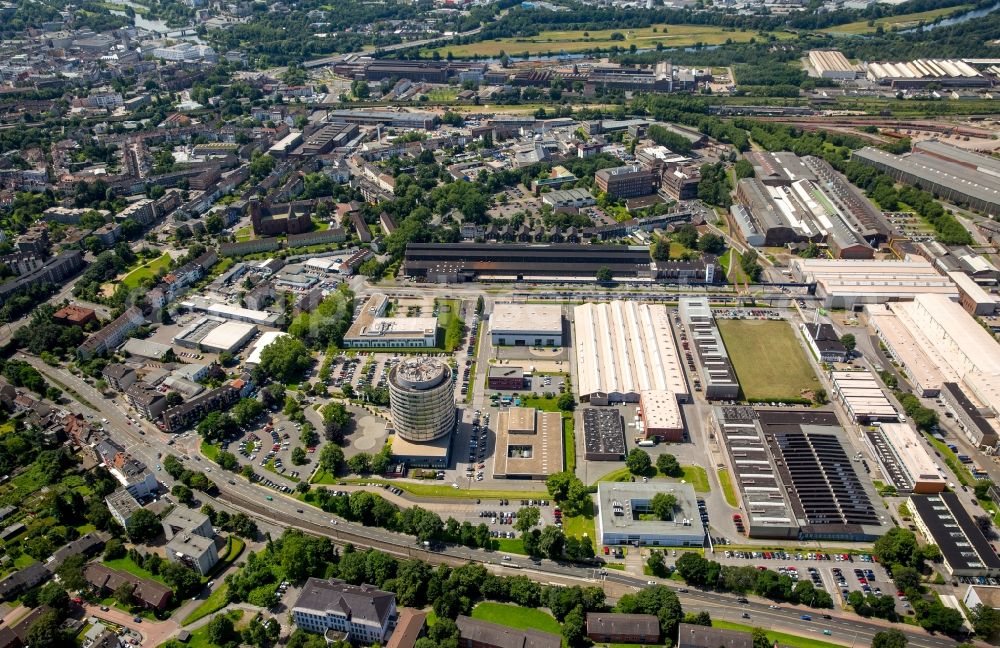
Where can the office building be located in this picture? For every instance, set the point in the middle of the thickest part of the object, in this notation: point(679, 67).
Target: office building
point(361, 612)
point(529, 444)
point(824, 342)
point(371, 329)
point(624, 509)
point(505, 378)
point(421, 399)
point(629, 181)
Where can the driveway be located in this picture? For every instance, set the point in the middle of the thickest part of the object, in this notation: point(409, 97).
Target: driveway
point(153, 632)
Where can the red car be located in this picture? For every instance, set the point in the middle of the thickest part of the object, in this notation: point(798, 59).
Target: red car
point(606, 551)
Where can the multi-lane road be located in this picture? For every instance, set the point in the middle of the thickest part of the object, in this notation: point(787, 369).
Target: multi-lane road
point(150, 444)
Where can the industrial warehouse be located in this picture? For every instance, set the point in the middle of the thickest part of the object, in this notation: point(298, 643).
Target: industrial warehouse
point(949, 172)
point(603, 435)
point(898, 449)
point(526, 325)
point(832, 64)
point(948, 73)
point(795, 477)
point(844, 283)
point(529, 444)
point(936, 341)
point(792, 200)
point(458, 262)
point(716, 368)
point(623, 349)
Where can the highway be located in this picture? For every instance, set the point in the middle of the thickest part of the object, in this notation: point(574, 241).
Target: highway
point(236, 492)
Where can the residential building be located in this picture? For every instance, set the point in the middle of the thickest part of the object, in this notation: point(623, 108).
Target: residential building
point(146, 592)
point(146, 400)
point(122, 505)
point(610, 627)
point(696, 636)
point(409, 628)
point(75, 315)
point(190, 539)
point(474, 633)
point(119, 376)
point(111, 335)
point(191, 412)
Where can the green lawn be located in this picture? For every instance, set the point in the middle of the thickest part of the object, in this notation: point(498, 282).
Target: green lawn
point(694, 475)
point(132, 279)
point(569, 444)
point(769, 361)
point(126, 564)
point(785, 639)
point(199, 638)
point(215, 601)
point(210, 450)
point(727, 488)
point(578, 525)
point(515, 616)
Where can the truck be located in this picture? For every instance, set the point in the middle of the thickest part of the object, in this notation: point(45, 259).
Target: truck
point(646, 443)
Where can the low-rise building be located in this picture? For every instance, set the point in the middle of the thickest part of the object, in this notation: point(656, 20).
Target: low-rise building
point(474, 633)
point(610, 627)
point(526, 325)
point(624, 509)
point(661, 415)
point(505, 378)
point(365, 614)
point(603, 434)
point(824, 342)
point(122, 505)
point(372, 329)
point(943, 521)
point(146, 592)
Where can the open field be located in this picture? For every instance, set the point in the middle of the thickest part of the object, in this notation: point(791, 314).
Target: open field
point(576, 41)
point(132, 279)
point(888, 23)
point(515, 616)
point(769, 362)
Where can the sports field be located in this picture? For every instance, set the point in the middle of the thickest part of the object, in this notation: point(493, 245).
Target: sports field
point(902, 21)
point(577, 41)
point(769, 361)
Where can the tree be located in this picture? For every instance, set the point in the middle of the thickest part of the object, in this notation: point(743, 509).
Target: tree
point(46, 632)
point(552, 542)
point(222, 632)
point(114, 549)
point(667, 464)
point(336, 418)
point(360, 463)
point(657, 565)
point(143, 526)
point(574, 627)
point(663, 505)
point(638, 462)
point(712, 243)
point(743, 169)
point(604, 275)
point(246, 410)
point(226, 460)
point(183, 494)
point(527, 518)
point(760, 639)
point(906, 578)
point(123, 593)
point(891, 638)
point(687, 235)
point(331, 458)
point(285, 359)
point(565, 402)
point(184, 581)
point(849, 341)
point(299, 456)
point(985, 620)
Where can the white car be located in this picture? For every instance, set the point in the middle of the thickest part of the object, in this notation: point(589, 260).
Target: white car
point(333, 522)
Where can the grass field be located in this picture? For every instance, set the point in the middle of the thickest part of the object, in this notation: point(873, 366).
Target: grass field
point(576, 41)
point(515, 616)
point(694, 475)
point(132, 279)
point(215, 601)
point(727, 488)
point(903, 21)
point(199, 638)
point(769, 362)
point(785, 639)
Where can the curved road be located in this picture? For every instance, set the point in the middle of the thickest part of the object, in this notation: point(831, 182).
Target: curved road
point(239, 493)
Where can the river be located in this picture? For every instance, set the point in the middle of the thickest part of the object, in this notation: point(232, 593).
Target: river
point(954, 20)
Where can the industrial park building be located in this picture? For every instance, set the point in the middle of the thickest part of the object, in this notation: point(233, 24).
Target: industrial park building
point(951, 173)
point(943, 521)
point(900, 452)
point(832, 64)
point(948, 73)
point(850, 283)
point(526, 325)
point(458, 262)
point(716, 367)
point(623, 349)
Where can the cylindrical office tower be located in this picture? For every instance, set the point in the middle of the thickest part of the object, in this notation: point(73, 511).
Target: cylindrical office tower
point(421, 399)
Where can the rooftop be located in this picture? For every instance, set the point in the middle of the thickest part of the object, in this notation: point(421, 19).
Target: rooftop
point(362, 603)
point(526, 318)
point(529, 443)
